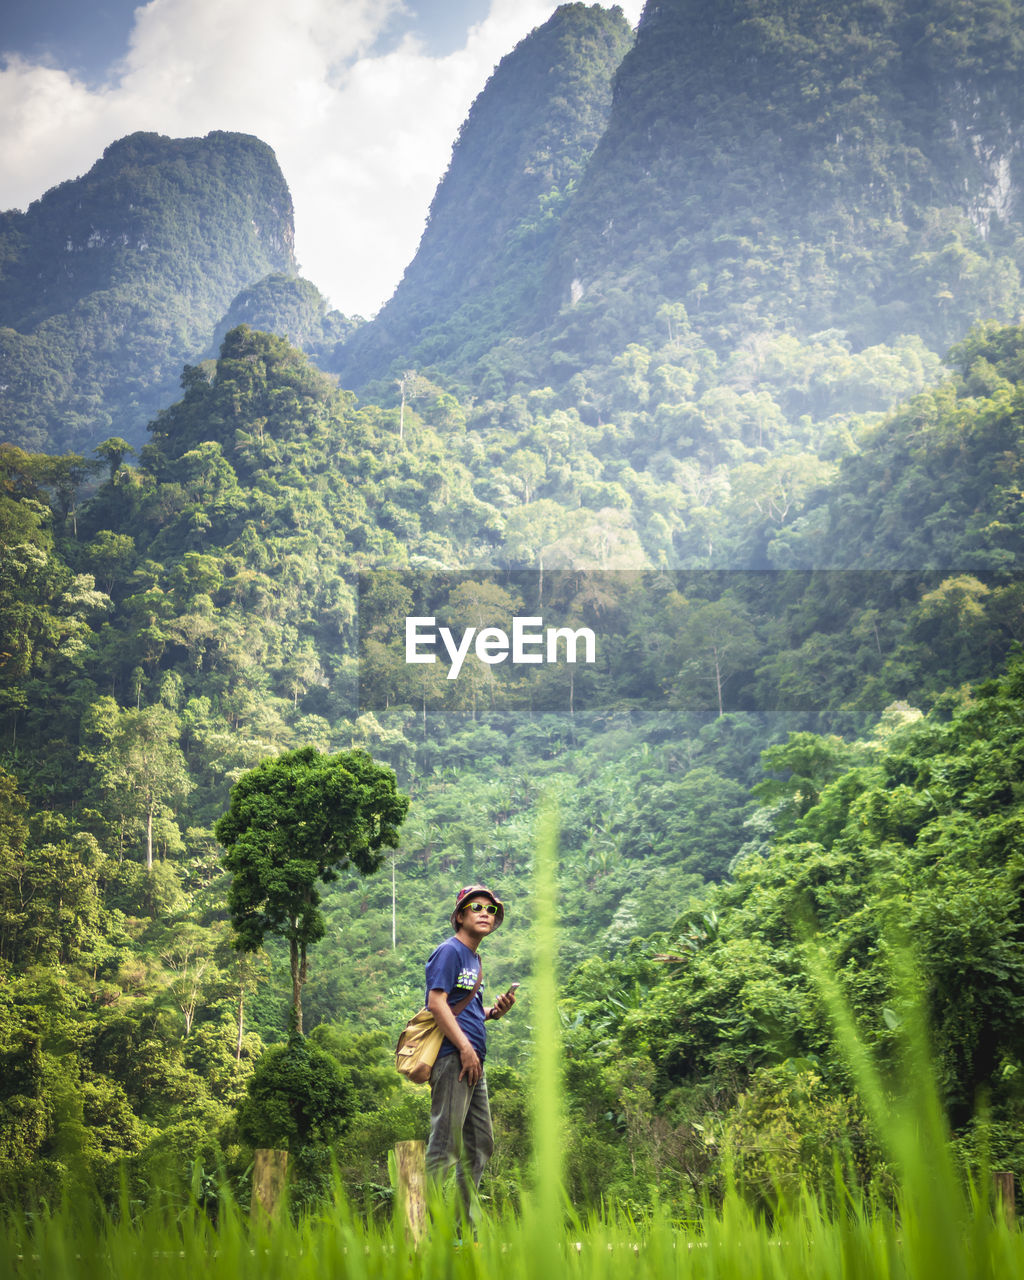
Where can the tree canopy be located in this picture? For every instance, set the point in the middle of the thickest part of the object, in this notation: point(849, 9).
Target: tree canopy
point(296, 822)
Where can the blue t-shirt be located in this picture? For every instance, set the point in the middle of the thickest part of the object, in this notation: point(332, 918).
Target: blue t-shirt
point(454, 968)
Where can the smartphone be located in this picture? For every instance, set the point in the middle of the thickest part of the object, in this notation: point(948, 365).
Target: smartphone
point(512, 989)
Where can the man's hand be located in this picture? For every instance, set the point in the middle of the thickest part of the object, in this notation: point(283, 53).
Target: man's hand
point(502, 1005)
point(472, 1067)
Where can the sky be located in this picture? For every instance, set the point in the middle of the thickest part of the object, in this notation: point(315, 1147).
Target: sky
point(360, 99)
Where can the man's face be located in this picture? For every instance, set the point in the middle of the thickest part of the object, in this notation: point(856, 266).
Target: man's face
point(479, 915)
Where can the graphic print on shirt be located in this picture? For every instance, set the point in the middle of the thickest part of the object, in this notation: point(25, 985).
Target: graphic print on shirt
point(466, 980)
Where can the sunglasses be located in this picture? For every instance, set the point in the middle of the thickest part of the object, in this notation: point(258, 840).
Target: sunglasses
point(489, 907)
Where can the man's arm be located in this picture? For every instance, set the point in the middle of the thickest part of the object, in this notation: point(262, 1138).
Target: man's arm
point(437, 1003)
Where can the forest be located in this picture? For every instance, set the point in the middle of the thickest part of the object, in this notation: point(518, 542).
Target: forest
point(751, 750)
point(788, 878)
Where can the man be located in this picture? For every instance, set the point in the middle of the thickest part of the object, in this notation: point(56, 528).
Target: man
point(460, 1116)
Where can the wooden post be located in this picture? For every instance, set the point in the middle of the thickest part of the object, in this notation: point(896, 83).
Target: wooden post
point(410, 1163)
point(269, 1171)
point(1002, 1184)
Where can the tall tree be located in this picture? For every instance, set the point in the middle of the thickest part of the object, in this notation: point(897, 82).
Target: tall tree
point(293, 822)
point(140, 765)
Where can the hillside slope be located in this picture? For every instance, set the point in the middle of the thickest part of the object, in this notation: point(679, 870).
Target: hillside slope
point(518, 156)
point(792, 167)
point(112, 280)
point(814, 166)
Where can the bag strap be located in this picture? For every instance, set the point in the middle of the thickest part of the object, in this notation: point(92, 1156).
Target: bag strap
point(464, 1004)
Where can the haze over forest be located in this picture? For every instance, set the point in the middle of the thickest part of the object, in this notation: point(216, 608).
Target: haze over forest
point(713, 345)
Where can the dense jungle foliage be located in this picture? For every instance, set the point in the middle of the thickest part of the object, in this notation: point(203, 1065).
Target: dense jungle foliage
point(752, 755)
point(790, 515)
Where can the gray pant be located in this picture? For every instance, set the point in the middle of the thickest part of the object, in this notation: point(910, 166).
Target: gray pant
point(460, 1126)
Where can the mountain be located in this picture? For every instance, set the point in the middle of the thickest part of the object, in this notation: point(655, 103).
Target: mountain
point(110, 281)
point(767, 165)
point(521, 151)
point(291, 307)
point(808, 166)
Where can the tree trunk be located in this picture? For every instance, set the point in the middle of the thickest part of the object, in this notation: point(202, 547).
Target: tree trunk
point(270, 1171)
point(1002, 1183)
point(410, 1165)
point(149, 837)
point(297, 955)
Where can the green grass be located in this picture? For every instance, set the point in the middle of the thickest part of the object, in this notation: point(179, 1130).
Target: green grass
point(934, 1228)
point(732, 1244)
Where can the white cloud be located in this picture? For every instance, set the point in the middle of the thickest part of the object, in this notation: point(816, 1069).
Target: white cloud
point(362, 139)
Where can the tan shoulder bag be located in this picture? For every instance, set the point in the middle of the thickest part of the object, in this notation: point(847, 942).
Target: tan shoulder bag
point(420, 1042)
